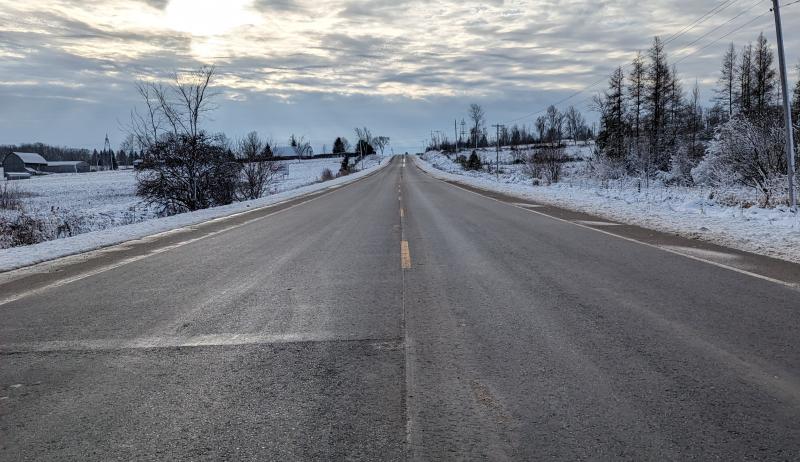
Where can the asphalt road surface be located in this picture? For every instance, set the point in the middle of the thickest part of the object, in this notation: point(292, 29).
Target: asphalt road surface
point(399, 317)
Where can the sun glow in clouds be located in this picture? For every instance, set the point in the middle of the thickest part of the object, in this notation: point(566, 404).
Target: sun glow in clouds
point(209, 17)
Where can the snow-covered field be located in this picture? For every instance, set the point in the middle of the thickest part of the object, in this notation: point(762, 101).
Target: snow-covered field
point(695, 212)
point(107, 203)
point(101, 200)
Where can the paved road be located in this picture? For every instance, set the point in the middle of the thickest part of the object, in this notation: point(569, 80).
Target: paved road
point(300, 335)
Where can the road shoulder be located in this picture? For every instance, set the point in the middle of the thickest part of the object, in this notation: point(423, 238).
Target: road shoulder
point(761, 266)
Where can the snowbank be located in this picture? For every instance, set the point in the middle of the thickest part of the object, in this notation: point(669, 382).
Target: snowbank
point(18, 257)
point(684, 211)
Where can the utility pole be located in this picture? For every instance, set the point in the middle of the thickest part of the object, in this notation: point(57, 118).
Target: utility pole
point(455, 132)
point(439, 139)
point(497, 152)
point(463, 130)
point(787, 111)
point(110, 153)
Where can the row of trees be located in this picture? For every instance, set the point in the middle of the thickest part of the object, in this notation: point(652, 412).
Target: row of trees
point(103, 158)
point(51, 153)
point(650, 127)
point(646, 121)
point(187, 168)
point(553, 127)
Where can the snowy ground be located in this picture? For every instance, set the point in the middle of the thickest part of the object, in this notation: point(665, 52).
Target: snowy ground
point(107, 199)
point(107, 202)
point(685, 211)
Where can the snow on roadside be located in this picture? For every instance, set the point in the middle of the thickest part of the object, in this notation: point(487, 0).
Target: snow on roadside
point(18, 257)
point(100, 200)
point(773, 232)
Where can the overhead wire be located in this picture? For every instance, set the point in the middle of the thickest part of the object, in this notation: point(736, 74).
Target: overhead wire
point(700, 20)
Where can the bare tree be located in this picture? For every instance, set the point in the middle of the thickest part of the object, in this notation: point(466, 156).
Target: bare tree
point(545, 164)
point(147, 126)
point(657, 102)
point(177, 108)
point(477, 116)
point(555, 124)
point(185, 168)
point(745, 79)
point(726, 93)
point(381, 142)
point(764, 77)
point(541, 128)
point(300, 146)
point(636, 93)
point(575, 123)
point(258, 170)
point(364, 145)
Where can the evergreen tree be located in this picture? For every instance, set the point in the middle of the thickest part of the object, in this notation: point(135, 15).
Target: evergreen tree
point(675, 122)
point(363, 148)
point(338, 146)
point(694, 124)
point(474, 162)
point(726, 85)
point(611, 138)
point(745, 76)
point(659, 87)
point(764, 77)
point(636, 93)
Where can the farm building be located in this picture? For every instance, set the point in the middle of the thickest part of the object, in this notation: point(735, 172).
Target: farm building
point(68, 166)
point(24, 162)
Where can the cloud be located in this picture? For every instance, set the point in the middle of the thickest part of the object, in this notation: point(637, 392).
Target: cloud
point(330, 58)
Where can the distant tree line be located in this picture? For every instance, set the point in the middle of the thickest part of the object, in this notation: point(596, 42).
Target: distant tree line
point(103, 158)
point(51, 153)
point(553, 127)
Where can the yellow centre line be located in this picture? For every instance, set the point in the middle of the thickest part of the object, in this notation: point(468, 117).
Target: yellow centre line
point(405, 255)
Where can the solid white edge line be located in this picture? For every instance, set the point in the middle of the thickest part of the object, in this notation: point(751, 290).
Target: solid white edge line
point(692, 257)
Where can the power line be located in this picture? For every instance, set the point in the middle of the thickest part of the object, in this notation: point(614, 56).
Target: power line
point(686, 47)
point(722, 37)
point(709, 14)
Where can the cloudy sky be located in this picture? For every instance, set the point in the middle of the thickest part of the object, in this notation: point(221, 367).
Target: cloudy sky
point(321, 67)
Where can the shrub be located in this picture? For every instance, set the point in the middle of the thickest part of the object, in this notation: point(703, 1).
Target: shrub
point(188, 173)
point(547, 164)
point(10, 197)
point(327, 175)
point(344, 169)
point(748, 153)
point(21, 229)
point(474, 162)
point(258, 168)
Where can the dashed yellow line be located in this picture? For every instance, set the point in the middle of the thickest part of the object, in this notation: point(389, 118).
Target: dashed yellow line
point(405, 255)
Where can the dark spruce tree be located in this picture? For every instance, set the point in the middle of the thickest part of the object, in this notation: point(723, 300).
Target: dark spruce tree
point(338, 146)
point(364, 148)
